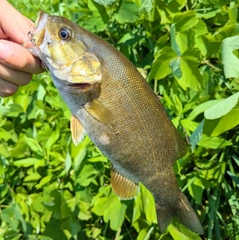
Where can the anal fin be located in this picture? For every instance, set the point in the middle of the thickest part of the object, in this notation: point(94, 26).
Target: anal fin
point(77, 131)
point(123, 187)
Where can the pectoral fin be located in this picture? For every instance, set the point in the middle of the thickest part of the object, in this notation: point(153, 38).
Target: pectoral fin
point(99, 111)
point(77, 131)
point(123, 187)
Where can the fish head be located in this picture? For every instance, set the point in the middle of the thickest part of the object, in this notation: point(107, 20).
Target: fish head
point(56, 41)
point(75, 71)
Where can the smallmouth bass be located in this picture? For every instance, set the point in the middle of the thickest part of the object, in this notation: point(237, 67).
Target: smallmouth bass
point(113, 104)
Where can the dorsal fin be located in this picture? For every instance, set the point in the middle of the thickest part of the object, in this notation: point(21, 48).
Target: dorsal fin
point(77, 131)
point(123, 187)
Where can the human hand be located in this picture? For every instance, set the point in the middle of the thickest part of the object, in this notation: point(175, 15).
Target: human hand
point(17, 64)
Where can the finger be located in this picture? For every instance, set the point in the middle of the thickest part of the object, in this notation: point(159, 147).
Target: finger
point(13, 23)
point(17, 57)
point(7, 89)
point(14, 76)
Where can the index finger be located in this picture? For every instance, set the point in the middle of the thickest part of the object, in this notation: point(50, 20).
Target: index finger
point(13, 24)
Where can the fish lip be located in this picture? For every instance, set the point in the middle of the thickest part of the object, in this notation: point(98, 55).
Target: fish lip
point(79, 85)
point(39, 25)
point(41, 16)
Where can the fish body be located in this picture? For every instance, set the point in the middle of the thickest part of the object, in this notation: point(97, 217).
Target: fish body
point(114, 105)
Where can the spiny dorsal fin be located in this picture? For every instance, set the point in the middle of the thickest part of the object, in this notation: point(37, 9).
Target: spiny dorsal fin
point(99, 111)
point(123, 187)
point(77, 131)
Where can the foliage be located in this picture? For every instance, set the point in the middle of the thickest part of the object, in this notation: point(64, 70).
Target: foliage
point(50, 189)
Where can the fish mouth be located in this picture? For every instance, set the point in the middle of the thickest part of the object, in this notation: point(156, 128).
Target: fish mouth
point(38, 32)
point(82, 86)
point(41, 20)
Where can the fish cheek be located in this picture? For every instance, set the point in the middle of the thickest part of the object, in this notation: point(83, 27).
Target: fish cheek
point(62, 54)
point(87, 69)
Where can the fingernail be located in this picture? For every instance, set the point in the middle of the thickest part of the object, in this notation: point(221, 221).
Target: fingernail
point(4, 50)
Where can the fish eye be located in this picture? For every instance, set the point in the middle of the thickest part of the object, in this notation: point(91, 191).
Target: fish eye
point(65, 33)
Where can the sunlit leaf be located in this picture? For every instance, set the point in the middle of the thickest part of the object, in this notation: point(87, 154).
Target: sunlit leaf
point(230, 61)
point(213, 142)
point(104, 2)
point(178, 231)
point(222, 108)
point(217, 126)
point(191, 77)
point(202, 108)
point(115, 213)
point(127, 12)
point(196, 136)
point(161, 67)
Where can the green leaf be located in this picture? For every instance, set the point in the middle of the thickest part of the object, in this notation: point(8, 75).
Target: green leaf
point(115, 213)
point(52, 138)
point(27, 162)
point(148, 204)
point(34, 177)
point(234, 178)
point(213, 142)
point(127, 12)
point(222, 108)
point(147, 9)
point(189, 67)
point(101, 204)
point(79, 158)
point(175, 67)
point(87, 175)
point(146, 5)
point(43, 182)
point(209, 13)
point(196, 136)
point(161, 67)
point(222, 117)
point(230, 61)
point(14, 111)
point(97, 22)
point(126, 37)
point(196, 190)
point(105, 3)
point(178, 231)
point(34, 145)
point(201, 108)
point(68, 162)
point(145, 234)
point(5, 135)
point(236, 159)
point(185, 20)
point(174, 44)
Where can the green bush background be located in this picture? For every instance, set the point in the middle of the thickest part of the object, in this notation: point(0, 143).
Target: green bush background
point(50, 189)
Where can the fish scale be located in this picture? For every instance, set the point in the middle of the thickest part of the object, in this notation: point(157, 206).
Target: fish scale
point(119, 112)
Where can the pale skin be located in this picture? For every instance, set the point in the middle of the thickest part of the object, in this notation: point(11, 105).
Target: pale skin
point(17, 64)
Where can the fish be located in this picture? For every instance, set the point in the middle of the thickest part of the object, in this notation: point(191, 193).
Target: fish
point(114, 105)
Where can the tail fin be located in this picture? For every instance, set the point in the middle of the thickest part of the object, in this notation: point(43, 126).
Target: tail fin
point(181, 211)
